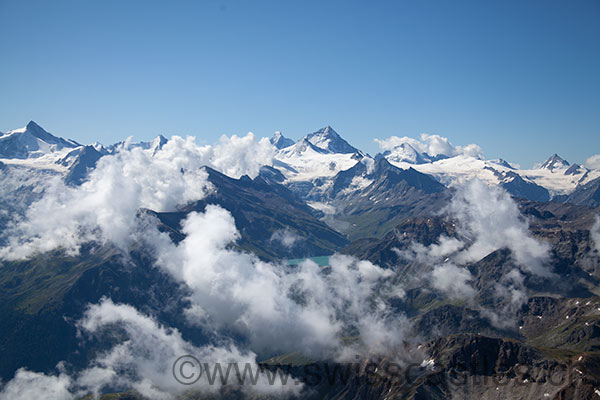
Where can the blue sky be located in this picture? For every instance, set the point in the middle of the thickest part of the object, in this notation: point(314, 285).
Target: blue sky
point(519, 78)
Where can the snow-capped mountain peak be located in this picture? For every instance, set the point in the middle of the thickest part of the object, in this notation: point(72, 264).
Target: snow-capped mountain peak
point(99, 147)
point(309, 164)
point(328, 139)
point(302, 146)
point(503, 163)
point(154, 145)
point(405, 153)
point(555, 162)
point(157, 143)
point(575, 169)
point(32, 141)
point(280, 141)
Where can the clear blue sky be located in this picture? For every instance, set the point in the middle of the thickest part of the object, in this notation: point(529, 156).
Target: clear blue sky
point(520, 78)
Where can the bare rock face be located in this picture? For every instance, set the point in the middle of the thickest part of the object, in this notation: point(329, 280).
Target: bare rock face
point(587, 195)
point(477, 367)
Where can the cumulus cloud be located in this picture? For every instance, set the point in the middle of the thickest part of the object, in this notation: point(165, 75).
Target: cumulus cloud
point(145, 359)
point(431, 144)
point(236, 156)
point(276, 307)
point(486, 219)
point(142, 360)
point(593, 162)
point(27, 385)
point(105, 207)
point(490, 219)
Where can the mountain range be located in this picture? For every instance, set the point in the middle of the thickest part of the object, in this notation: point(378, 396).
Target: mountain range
point(322, 166)
point(477, 269)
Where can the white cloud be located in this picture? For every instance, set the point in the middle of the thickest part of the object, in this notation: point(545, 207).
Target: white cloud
point(286, 237)
point(278, 308)
point(489, 219)
point(142, 360)
point(593, 162)
point(236, 156)
point(595, 233)
point(105, 208)
point(444, 247)
point(150, 351)
point(431, 144)
point(453, 281)
point(510, 293)
point(369, 163)
point(27, 385)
